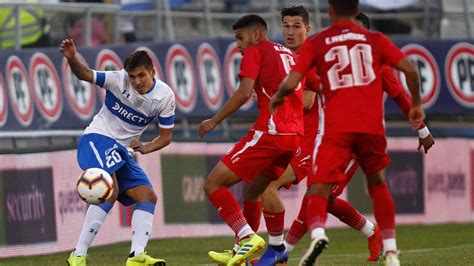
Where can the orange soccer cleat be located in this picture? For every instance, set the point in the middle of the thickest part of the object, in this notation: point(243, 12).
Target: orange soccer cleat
point(375, 245)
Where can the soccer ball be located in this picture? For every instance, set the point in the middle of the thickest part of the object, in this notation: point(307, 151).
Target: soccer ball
point(95, 186)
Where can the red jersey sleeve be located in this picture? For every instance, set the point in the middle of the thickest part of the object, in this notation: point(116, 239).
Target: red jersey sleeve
point(312, 82)
point(391, 54)
point(306, 56)
point(390, 83)
point(250, 64)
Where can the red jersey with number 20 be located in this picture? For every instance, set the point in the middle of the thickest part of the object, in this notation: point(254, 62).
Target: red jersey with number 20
point(348, 60)
point(268, 63)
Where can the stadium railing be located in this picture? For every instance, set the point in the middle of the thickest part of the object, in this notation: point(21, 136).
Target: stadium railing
point(210, 18)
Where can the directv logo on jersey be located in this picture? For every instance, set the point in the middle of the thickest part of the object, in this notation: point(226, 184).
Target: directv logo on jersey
point(129, 116)
point(124, 112)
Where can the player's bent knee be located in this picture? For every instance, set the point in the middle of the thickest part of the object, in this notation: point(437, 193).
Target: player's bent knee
point(375, 179)
point(209, 187)
point(142, 193)
point(148, 195)
point(212, 183)
point(151, 197)
point(270, 193)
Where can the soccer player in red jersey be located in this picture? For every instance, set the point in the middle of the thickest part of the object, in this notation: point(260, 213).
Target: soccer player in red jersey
point(264, 154)
point(295, 27)
point(394, 90)
point(349, 59)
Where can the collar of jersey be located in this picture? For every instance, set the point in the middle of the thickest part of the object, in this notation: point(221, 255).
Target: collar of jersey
point(152, 86)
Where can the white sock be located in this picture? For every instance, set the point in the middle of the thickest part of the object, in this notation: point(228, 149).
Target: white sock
point(95, 217)
point(318, 232)
point(142, 223)
point(289, 247)
point(275, 240)
point(245, 231)
point(389, 244)
point(368, 229)
point(236, 247)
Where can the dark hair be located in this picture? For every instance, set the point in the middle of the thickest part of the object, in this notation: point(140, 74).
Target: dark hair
point(294, 11)
point(136, 59)
point(364, 19)
point(248, 21)
point(345, 7)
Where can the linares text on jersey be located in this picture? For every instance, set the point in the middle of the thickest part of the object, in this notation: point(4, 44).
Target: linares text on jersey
point(350, 36)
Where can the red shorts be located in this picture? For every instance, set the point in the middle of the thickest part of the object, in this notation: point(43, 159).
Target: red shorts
point(333, 151)
point(351, 169)
point(301, 163)
point(259, 153)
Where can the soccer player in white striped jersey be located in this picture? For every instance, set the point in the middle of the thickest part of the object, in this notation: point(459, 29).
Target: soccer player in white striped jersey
point(134, 97)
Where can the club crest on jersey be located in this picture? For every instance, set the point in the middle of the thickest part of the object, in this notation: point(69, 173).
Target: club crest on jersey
point(138, 102)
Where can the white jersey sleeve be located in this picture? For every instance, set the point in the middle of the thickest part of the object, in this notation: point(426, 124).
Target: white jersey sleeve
point(166, 111)
point(110, 80)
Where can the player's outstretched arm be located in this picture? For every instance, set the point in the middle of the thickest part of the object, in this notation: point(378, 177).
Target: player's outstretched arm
point(289, 83)
point(68, 49)
point(240, 96)
point(425, 139)
point(416, 115)
point(163, 140)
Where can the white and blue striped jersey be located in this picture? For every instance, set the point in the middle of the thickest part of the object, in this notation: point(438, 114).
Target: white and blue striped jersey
point(125, 113)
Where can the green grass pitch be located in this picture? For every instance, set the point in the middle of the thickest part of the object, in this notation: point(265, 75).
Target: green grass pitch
point(447, 244)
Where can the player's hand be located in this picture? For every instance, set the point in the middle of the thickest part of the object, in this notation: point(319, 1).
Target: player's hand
point(275, 101)
point(426, 142)
point(416, 115)
point(67, 48)
point(254, 96)
point(138, 146)
point(206, 126)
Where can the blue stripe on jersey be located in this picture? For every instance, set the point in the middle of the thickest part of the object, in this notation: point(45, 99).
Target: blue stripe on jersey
point(124, 112)
point(166, 121)
point(100, 78)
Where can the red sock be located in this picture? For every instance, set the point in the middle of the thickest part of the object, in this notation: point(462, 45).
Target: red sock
point(346, 213)
point(384, 209)
point(228, 209)
point(253, 213)
point(316, 212)
point(275, 222)
point(298, 228)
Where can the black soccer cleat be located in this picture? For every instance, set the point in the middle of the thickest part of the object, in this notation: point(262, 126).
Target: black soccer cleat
point(315, 249)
